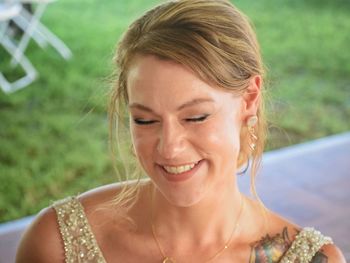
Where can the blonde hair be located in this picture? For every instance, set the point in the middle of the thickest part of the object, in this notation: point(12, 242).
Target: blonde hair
point(210, 37)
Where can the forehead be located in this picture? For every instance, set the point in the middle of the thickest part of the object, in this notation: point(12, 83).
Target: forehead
point(153, 80)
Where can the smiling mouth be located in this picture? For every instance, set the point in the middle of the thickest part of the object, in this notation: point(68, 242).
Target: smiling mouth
point(179, 169)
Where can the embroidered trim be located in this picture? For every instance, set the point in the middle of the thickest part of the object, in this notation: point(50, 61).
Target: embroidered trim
point(79, 242)
point(306, 244)
point(80, 245)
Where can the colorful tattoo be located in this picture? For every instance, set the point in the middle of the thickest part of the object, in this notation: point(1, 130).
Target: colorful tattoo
point(319, 258)
point(270, 249)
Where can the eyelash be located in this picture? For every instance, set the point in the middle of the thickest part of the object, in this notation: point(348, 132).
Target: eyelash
point(143, 122)
point(198, 119)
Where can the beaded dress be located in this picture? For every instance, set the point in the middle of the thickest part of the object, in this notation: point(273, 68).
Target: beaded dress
point(80, 245)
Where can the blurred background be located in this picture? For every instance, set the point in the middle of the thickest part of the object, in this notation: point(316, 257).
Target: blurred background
point(54, 132)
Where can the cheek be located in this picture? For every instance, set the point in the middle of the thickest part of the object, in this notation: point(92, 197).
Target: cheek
point(143, 145)
point(221, 136)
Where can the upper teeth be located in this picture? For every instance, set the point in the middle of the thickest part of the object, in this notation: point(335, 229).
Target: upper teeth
point(179, 169)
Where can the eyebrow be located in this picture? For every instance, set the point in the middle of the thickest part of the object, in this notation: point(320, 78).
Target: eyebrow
point(182, 106)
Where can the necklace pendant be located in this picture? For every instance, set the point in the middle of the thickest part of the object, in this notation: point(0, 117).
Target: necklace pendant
point(168, 260)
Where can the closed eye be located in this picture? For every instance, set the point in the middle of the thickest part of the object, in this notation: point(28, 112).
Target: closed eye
point(198, 119)
point(144, 122)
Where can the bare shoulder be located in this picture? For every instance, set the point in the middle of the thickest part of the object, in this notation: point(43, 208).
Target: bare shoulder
point(100, 194)
point(329, 254)
point(104, 195)
point(280, 234)
point(111, 224)
point(271, 226)
point(278, 223)
point(41, 241)
point(100, 206)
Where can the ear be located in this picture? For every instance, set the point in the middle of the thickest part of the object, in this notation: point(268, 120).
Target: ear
point(251, 97)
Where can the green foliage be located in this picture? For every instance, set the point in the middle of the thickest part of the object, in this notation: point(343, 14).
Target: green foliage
point(54, 133)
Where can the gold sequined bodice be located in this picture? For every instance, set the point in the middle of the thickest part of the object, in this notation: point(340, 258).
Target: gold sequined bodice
point(81, 246)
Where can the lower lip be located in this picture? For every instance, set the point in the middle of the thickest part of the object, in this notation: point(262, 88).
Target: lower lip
point(181, 176)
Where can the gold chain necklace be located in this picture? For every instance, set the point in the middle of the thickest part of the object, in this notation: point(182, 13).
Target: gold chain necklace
point(167, 259)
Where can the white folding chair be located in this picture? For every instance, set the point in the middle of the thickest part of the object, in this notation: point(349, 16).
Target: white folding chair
point(10, 11)
point(33, 28)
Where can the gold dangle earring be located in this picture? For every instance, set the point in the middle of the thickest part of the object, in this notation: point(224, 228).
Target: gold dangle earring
point(251, 122)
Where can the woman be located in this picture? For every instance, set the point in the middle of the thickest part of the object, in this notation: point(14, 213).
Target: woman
point(191, 82)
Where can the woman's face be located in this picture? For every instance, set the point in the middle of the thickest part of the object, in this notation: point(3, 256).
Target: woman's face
point(185, 132)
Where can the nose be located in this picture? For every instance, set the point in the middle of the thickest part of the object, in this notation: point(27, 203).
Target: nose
point(171, 141)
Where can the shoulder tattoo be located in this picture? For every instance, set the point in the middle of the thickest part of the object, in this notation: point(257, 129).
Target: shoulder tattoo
point(270, 249)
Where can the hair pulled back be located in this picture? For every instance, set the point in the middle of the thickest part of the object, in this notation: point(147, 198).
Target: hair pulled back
point(210, 37)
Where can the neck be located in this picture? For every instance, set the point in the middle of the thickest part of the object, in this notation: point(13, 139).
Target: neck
point(209, 221)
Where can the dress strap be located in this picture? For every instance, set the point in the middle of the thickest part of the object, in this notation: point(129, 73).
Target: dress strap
point(79, 242)
point(305, 246)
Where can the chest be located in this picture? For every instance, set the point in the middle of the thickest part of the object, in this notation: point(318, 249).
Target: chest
point(135, 249)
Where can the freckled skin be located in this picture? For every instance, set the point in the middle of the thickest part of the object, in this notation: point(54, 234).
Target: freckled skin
point(162, 86)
